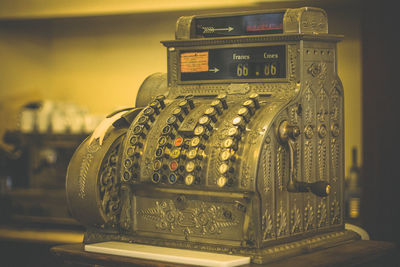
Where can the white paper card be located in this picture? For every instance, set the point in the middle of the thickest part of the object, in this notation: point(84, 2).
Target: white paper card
point(167, 254)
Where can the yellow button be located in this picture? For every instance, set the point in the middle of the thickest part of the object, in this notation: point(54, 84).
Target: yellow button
point(204, 120)
point(243, 111)
point(195, 141)
point(225, 154)
point(190, 166)
point(228, 143)
point(223, 168)
point(175, 153)
point(189, 179)
point(192, 153)
point(199, 130)
point(221, 181)
point(233, 132)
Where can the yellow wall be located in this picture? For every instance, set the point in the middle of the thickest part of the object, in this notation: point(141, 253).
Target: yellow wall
point(100, 62)
point(348, 23)
point(24, 65)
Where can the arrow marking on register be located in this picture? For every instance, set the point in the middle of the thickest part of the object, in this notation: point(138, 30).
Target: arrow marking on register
point(212, 29)
point(215, 70)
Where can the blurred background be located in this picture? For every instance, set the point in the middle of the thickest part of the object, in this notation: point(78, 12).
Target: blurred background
point(76, 61)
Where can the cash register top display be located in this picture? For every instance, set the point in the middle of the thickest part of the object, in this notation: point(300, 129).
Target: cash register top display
point(235, 63)
point(265, 23)
point(267, 62)
point(240, 153)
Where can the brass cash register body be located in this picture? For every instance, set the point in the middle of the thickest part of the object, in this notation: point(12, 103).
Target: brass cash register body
point(241, 153)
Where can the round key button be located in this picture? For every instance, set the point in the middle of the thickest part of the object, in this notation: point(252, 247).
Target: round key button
point(211, 112)
point(223, 168)
point(128, 163)
point(157, 165)
point(172, 178)
point(156, 178)
point(189, 179)
point(173, 165)
point(149, 112)
point(159, 152)
point(222, 98)
point(239, 122)
point(130, 151)
point(134, 140)
point(228, 143)
point(162, 140)
point(155, 105)
point(225, 155)
point(177, 112)
point(255, 98)
point(217, 105)
point(173, 121)
point(221, 181)
point(175, 153)
point(249, 104)
point(234, 132)
point(199, 130)
point(205, 121)
point(138, 129)
point(244, 112)
point(178, 141)
point(192, 153)
point(144, 120)
point(195, 141)
point(167, 130)
point(190, 166)
point(126, 176)
point(184, 105)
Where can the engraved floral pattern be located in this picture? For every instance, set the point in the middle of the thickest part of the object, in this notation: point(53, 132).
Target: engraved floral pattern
point(203, 219)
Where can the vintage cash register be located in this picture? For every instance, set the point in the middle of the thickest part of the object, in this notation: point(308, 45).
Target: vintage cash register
point(240, 153)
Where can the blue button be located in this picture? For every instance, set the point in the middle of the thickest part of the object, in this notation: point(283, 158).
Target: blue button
point(172, 178)
point(156, 177)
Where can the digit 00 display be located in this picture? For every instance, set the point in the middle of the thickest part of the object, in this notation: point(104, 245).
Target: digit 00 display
point(233, 63)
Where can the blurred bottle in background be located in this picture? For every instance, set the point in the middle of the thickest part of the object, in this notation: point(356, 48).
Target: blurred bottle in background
point(353, 191)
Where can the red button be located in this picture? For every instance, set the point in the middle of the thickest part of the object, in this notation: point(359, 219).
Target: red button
point(173, 165)
point(178, 141)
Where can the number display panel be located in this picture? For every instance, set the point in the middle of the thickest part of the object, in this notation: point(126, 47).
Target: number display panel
point(254, 24)
point(266, 62)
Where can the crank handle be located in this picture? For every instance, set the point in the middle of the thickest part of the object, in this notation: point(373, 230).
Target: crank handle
point(288, 134)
